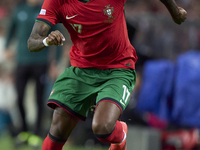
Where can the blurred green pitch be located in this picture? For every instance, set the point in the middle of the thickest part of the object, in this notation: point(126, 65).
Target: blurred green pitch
point(6, 143)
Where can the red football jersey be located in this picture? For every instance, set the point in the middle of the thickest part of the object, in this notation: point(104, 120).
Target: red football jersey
point(97, 29)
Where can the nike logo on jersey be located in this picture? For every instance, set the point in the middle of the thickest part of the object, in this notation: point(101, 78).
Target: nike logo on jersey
point(71, 16)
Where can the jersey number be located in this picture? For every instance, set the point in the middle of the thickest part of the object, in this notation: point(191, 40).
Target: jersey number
point(125, 96)
point(77, 27)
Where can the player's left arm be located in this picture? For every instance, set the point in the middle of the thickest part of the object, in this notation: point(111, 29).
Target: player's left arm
point(39, 33)
point(178, 14)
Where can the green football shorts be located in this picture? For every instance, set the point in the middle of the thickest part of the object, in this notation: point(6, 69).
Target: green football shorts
point(77, 89)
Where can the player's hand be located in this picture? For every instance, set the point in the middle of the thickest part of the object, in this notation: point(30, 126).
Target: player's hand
point(55, 38)
point(180, 16)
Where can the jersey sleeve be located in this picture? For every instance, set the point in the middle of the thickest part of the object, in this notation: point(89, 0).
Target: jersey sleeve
point(49, 12)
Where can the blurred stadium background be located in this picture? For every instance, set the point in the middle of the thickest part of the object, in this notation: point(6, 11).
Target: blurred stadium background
point(164, 110)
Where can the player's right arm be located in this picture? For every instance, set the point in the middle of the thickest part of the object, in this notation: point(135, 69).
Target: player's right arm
point(39, 33)
point(178, 14)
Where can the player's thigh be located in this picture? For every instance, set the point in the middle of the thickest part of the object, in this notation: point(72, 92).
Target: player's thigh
point(105, 117)
point(62, 124)
point(111, 102)
point(112, 99)
point(118, 89)
point(73, 92)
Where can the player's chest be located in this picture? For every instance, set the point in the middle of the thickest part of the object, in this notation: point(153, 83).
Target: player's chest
point(93, 12)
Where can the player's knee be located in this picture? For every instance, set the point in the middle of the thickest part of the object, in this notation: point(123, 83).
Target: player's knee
point(102, 127)
point(56, 129)
point(58, 125)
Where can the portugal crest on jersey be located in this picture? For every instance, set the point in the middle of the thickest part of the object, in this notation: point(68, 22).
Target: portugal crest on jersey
point(108, 11)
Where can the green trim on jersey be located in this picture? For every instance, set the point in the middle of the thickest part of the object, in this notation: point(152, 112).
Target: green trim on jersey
point(84, 1)
point(42, 22)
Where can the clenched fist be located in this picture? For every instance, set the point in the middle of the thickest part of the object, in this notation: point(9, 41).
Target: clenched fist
point(180, 16)
point(55, 38)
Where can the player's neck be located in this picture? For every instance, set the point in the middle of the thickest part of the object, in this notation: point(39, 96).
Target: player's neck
point(84, 1)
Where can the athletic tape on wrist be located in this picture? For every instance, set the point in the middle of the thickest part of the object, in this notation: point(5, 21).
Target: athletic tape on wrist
point(45, 42)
